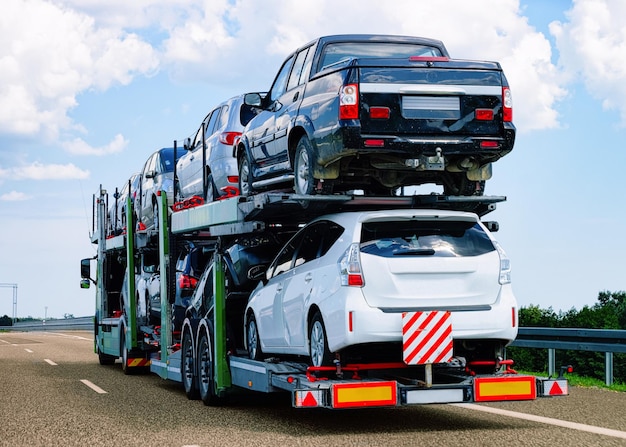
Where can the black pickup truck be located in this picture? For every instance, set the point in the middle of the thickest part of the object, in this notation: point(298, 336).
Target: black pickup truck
point(377, 112)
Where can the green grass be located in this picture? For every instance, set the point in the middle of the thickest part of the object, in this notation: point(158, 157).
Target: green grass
point(576, 380)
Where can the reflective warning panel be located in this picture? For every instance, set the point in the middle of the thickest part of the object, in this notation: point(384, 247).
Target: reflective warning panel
point(309, 398)
point(555, 388)
point(504, 388)
point(426, 337)
point(364, 394)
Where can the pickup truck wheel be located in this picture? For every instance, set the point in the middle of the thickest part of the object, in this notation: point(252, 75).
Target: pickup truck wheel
point(304, 182)
point(188, 368)
point(245, 187)
point(253, 341)
point(318, 345)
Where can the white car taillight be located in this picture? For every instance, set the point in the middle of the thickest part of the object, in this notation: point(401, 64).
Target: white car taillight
point(349, 102)
point(350, 267)
point(505, 266)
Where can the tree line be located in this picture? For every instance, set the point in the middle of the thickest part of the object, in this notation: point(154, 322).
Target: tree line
point(609, 312)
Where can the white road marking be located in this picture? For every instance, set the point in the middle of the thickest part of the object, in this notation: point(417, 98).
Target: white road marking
point(50, 362)
point(28, 350)
point(4, 341)
point(69, 336)
point(545, 420)
point(96, 388)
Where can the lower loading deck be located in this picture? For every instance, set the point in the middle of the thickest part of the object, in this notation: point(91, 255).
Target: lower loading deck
point(384, 385)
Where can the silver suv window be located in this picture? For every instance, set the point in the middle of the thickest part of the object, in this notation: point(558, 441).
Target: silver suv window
point(424, 238)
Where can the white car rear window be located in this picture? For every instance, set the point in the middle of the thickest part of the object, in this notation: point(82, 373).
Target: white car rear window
point(424, 238)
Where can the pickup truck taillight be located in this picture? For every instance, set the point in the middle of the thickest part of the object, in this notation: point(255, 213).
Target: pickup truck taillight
point(507, 105)
point(349, 102)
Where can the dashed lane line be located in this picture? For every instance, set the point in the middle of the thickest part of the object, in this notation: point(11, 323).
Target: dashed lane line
point(50, 362)
point(545, 420)
point(94, 387)
point(28, 350)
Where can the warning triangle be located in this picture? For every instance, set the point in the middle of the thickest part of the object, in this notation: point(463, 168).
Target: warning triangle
point(556, 390)
point(309, 400)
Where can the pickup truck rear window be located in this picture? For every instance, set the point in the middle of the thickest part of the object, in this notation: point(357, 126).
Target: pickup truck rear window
point(424, 238)
point(339, 52)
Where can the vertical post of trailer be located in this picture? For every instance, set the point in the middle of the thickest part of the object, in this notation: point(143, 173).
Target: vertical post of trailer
point(222, 373)
point(164, 265)
point(100, 313)
point(130, 269)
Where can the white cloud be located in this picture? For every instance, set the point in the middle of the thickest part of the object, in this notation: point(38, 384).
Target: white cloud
point(592, 46)
point(79, 147)
point(49, 54)
point(14, 196)
point(40, 171)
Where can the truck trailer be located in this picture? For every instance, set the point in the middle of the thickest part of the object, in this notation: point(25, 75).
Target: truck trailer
point(200, 345)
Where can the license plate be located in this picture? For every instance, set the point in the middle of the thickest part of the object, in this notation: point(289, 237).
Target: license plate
point(431, 107)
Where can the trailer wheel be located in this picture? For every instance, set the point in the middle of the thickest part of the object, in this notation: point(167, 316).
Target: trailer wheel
point(253, 342)
point(124, 351)
point(303, 183)
point(105, 359)
point(206, 384)
point(188, 367)
point(318, 345)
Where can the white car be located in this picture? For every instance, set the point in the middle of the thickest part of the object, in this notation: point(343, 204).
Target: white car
point(342, 283)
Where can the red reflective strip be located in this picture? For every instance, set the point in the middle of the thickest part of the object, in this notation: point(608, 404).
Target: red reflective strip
point(379, 112)
point(489, 144)
point(512, 317)
point(428, 59)
point(374, 143)
point(483, 114)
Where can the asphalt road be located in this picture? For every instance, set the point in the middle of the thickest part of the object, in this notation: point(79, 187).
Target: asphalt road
point(54, 392)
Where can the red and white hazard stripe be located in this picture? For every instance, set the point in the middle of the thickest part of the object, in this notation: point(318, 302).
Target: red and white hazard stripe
point(426, 337)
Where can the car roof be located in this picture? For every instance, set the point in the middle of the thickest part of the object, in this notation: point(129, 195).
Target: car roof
point(353, 217)
point(379, 38)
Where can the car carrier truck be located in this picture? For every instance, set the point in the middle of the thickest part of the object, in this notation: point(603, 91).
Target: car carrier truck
point(203, 350)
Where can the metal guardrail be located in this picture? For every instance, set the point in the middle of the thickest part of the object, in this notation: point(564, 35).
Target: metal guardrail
point(82, 323)
point(608, 341)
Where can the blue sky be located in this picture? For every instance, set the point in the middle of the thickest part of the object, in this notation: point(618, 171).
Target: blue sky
point(90, 88)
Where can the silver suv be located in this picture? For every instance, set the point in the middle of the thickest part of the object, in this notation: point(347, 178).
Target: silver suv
point(157, 175)
point(216, 135)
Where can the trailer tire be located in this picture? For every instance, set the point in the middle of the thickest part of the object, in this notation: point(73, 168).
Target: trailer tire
point(188, 368)
point(318, 343)
point(105, 359)
point(253, 342)
point(206, 384)
point(124, 355)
